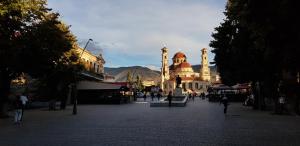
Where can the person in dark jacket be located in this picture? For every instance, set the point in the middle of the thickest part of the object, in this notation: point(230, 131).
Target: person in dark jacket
point(224, 101)
point(170, 98)
point(18, 109)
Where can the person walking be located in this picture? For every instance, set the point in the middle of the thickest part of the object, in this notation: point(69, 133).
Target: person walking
point(170, 98)
point(224, 101)
point(145, 96)
point(158, 96)
point(152, 95)
point(193, 95)
point(281, 101)
point(18, 109)
point(160, 93)
point(24, 100)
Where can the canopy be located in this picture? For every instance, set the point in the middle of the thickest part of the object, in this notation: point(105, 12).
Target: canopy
point(241, 86)
point(90, 85)
point(221, 87)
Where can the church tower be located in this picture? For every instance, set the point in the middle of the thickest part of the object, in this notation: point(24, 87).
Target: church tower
point(164, 67)
point(205, 71)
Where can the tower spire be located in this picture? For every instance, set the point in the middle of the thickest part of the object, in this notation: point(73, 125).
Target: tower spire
point(205, 71)
point(164, 67)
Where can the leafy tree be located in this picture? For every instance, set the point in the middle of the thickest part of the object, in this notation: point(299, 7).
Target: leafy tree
point(129, 78)
point(32, 40)
point(257, 42)
point(139, 83)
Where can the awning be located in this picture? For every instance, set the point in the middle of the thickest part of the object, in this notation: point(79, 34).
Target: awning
point(241, 86)
point(221, 87)
point(90, 85)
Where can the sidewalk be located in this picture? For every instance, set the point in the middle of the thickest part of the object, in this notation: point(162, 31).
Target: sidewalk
point(199, 123)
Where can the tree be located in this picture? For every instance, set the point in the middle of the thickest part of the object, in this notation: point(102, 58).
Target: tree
point(129, 78)
point(32, 40)
point(139, 83)
point(257, 43)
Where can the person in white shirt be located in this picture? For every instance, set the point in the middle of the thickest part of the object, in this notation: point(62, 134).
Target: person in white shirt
point(281, 101)
point(24, 100)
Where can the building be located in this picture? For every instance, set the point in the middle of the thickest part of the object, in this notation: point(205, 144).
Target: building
point(191, 81)
point(94, 65)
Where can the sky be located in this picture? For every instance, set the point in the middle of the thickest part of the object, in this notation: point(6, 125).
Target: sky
point(132, 32)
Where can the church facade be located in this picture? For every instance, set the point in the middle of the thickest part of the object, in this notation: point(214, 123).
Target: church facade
point(191, 81)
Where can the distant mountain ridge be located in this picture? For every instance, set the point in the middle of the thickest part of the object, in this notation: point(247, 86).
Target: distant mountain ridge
point(145, 73)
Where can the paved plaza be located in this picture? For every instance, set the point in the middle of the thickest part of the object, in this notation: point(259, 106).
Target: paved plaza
point(199, 123)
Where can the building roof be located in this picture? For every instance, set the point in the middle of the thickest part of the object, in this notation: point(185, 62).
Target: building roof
point(184, 65)
point(179, 55)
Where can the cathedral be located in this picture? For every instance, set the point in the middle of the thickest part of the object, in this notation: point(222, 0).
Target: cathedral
point(191, 81)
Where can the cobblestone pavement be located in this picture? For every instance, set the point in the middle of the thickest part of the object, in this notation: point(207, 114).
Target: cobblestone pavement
point(199, 123)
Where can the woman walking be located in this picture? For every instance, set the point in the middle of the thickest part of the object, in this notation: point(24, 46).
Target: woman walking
point(18, 109)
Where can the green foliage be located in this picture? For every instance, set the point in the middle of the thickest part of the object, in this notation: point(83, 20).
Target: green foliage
point(129, 78)
point(139, 83)
point(33, 40)
point(259, 41)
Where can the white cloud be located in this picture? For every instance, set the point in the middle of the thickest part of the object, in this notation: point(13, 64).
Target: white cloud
point(137, 29)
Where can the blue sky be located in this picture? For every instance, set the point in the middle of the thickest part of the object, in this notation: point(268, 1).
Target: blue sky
point(132, 32)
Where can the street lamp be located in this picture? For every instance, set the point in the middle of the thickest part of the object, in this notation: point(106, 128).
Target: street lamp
point(75, 97)
point(85, 48)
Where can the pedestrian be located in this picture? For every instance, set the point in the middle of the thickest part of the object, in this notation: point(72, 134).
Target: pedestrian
point(145, 96)
point(170, 98)
point(18, 109)
point(281, 101)
point(24, 100)
point(224, 101)
point(193, 95)
point(158, 96)
point(160, 93)
point(152, 95)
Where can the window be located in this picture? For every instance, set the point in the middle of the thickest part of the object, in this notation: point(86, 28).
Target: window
point(183, 86)
point(196, 85)
point(190, 85)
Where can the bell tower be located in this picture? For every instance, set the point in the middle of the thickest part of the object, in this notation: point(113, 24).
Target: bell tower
point(205, 71)
point(164, 67)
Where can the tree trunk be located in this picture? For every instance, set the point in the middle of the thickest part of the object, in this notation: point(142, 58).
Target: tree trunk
point(4, 91)
point(297, 99)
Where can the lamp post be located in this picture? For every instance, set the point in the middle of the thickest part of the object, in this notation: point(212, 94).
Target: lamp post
point(75, 97)
point(84, 48)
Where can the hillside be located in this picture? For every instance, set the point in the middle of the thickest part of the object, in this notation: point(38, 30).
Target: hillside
point(120, 73)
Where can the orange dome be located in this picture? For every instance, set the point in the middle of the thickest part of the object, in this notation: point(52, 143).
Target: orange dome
point(184, 65)
point(179, 55)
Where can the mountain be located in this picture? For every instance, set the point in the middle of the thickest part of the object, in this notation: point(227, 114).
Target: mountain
point(197, 67)
point(145, 73)
point(120, 73)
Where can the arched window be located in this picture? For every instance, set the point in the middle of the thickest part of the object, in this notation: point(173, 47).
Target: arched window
point(190, 85)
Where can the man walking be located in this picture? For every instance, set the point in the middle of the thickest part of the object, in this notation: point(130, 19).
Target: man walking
point(224, 100)
point(170, 98)
point(18, 109)
point(24, 100)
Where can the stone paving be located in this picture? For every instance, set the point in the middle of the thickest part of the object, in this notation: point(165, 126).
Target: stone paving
point(199, 123)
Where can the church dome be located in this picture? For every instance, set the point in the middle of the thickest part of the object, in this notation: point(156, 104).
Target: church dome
point(184, 65)
point(183, 68)
point(179, 55)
